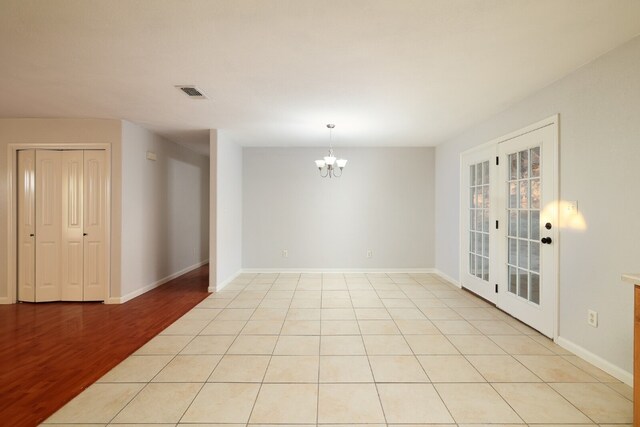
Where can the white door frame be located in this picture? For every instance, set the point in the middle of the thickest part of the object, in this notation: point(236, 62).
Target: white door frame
point(549, 121)
point(12, 206)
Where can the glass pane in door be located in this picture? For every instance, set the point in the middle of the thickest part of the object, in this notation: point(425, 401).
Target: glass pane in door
point(523, 213)
point(479, 220)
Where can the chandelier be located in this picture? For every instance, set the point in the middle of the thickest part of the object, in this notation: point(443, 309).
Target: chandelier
point(330, 165)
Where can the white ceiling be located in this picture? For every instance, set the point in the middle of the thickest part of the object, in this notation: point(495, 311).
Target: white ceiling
point(386, 72)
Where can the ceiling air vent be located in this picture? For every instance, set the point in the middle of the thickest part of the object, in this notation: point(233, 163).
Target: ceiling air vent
point(192, 92)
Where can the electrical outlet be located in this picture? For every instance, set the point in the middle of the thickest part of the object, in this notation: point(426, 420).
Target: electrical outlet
point(592, 318)
point(369, 253)
point(285, 253)
point(572, 207)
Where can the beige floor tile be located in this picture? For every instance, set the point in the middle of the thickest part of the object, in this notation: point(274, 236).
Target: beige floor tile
point(253, 344)
point(597, 373)
point(502, 369)
point(449, 369)
point(245, 303)
point(297, 346)
point(372, 314)
point(302, 294)
point(136, 369)
point(406, 314)
point(412, 404)
point(164, 344)
point(475, 344)
point(554, 369)
point(340, 327)
point(301, 327)
point(494, 327)
point(386, 345)
point(306, 303)
point(335, 295)
point(275, 303)
point(555, 348)
point(338, 314)
point(292, 369)
point(188, 369)
point(397, 369)
point(456, 327)
point(520, 344)
point(202, 313)
point(476, 403)
point(439, 313)
point(222, 403)
point(349, 403)
point(286, 404)
point(159, 403)
point(623, 389)
point(476, 313)
point(430, 344)
point(262, 327)
point(345, 369)
point(209, 344)
point(214, 303)
point(398, 303)
point(391, 293)
point(303, 314)
point(270, 314)
point(341, 345)
point(598, 401)
point(224, 327)
point(539, 403)
point(417, 327)
point(336, 303)
point(235, 314)
point(431, 303)
point(99, 403)
point(235, 368)
point(460, 302)
point(367, 302)
point(378, 327)
point(279, 294)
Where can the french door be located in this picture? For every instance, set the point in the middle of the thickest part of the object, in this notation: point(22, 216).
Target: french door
point(517, 189)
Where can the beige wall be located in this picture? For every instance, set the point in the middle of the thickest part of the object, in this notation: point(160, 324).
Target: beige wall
point(55, 132)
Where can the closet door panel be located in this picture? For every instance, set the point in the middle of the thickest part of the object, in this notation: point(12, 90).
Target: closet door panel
point(72, 253)
point(48, 225)
point(95, 226)
point(26, 226)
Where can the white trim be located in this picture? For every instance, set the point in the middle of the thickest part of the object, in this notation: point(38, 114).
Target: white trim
point(5, 300)
point(338, 270)
point(145, 289)
point(224, 283)
point(611, 369)
point(447, 278)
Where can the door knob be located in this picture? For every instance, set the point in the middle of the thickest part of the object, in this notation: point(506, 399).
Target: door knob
point(84, 234)
point(31, 235)
point(546, 240)
point(548, 226)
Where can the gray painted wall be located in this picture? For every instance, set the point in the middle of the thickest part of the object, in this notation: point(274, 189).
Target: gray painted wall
point(383, 202)
point(599, 107)
point(165, 208)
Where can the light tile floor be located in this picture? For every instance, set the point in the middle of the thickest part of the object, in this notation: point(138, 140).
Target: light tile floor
point(377, 349)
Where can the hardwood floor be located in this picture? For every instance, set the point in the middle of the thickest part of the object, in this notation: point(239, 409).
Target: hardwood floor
point(50, 352)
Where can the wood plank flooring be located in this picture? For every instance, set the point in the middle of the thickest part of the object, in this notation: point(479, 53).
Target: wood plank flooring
point(50, 352)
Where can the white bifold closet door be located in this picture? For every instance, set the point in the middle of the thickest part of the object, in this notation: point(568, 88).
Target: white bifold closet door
point(62, 202)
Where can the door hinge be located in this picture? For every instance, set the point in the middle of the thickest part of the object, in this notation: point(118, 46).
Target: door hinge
point(496, 224)
point(497, 160)
point(496, 288)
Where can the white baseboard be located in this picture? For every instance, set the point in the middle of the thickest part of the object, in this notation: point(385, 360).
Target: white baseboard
point(447, 277)
point(338, 270)
point(5, 300)
point(138, 292)
point(608, 367)
point(224, 283)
